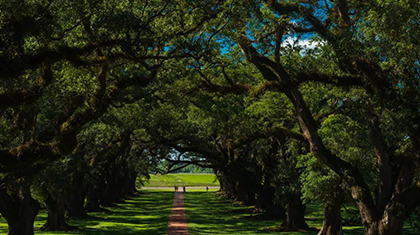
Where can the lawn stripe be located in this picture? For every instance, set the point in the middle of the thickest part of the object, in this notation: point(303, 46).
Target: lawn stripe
point(177, 220)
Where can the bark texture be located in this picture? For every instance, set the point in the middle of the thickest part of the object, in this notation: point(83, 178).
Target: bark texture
point(56, 220)
point(19, 209)
point(295, 216)
point(332, 215)
point(75, 204)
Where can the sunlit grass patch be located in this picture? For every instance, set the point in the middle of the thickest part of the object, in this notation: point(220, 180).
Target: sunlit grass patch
point(210, 214)
point(171, 180)
point(147, 213)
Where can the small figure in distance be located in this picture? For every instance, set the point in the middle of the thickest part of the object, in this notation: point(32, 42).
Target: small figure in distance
point(207, 188)
point(183, 188)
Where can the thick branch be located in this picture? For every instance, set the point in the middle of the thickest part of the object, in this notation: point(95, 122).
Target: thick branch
point(17, 66)
point(231, 89)
point(102, 154)
point(273, 72)
point(343, 11)
point(269, 69)
point(382, 155)
point(204, 164)
point(21, 157)
point(114, 149)
point(278, 131)
point(279, 38)
point(282, 8)
point(17, 98)
point(345, 80)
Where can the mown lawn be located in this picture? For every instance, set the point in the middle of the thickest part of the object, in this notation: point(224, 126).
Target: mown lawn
point(171, 180)
point(147, 213)
point(211, 214)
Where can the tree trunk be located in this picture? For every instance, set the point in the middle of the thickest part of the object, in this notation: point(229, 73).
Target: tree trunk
point(391, 222)
point(92, 201)
point(131, 187)
point(56, 215)
point(19, 209)
point(121, 187)
point(229, 188)
point(75, 204)
point(266, 202)
point(243, 194)
point(250, 198)
point(295, 216)
point(75, 201)
point(222, 184)
point(332, 215)
point(109, 194)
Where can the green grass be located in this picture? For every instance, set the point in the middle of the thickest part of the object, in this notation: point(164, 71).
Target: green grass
point(145, 214)
point(209, 214)
point(148, 213)
point(171, 180)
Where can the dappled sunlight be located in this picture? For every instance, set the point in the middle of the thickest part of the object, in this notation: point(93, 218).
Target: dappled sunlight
point(147, 213)
point(208, 214)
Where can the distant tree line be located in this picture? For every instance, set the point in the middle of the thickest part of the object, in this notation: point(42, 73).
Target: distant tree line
point(194, 170)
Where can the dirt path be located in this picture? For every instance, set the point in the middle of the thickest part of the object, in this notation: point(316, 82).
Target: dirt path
point(177, 220)
point(188, 187)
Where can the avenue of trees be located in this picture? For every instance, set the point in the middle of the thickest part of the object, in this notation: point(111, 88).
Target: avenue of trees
point(287, 101)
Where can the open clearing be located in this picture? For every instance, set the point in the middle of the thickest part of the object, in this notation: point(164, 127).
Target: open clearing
point(171, 180)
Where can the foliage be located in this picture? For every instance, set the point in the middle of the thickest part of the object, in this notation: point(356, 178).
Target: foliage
point(277, 97)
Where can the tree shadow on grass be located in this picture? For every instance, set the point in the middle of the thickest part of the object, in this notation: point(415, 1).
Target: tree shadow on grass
point(208, 214)
point(147, 213)
point(144, 214)
point(211, 214)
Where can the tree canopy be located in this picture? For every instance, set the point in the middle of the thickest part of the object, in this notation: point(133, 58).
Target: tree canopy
point(286, 101)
